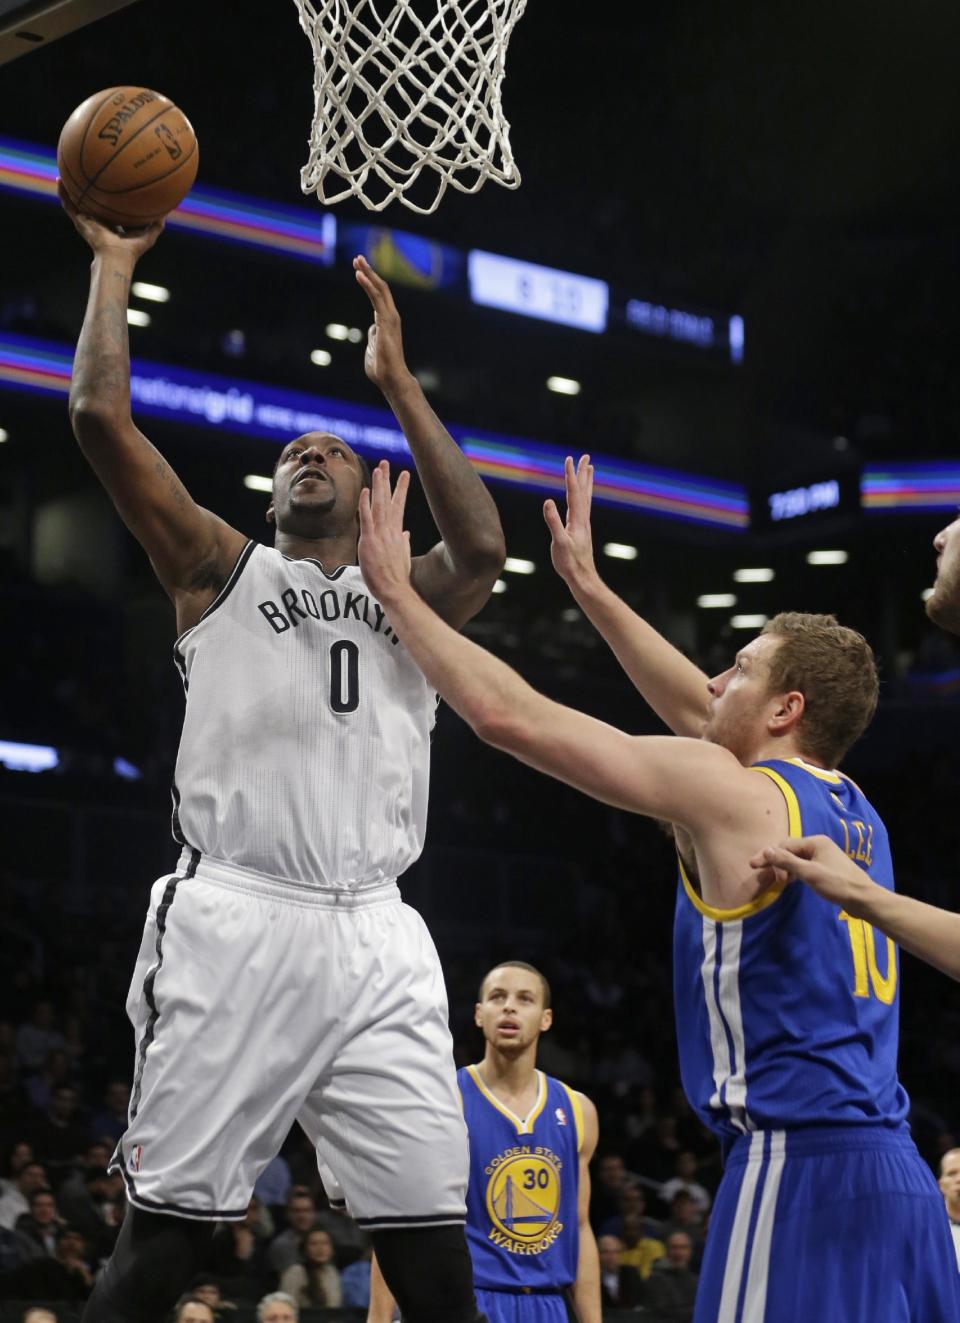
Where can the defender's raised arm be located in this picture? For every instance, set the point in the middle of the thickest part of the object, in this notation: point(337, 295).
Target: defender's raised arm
point(192, 550)
point(669, 681)
point(456, 576)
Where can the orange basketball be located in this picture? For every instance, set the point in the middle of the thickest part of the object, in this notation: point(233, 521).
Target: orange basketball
point(127, 156)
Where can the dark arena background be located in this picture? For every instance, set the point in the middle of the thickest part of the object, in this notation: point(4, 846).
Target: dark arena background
point(730, 273)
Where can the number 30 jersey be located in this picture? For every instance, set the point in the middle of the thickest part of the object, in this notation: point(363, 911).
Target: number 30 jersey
point(787, 1008)
point(305, 751)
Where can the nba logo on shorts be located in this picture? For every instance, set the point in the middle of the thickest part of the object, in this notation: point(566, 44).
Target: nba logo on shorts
point(561, 1116)
point(135, 1156)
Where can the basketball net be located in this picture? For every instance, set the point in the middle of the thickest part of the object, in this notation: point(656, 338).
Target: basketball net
point(406, 95)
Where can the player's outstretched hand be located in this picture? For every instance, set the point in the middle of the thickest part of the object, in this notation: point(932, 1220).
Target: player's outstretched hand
point(571, 542)
point(102, 238)
point(383, 361)
point(820, 863)
point(384, 549)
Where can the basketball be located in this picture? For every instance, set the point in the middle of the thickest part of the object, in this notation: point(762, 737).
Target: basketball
point(127, 156)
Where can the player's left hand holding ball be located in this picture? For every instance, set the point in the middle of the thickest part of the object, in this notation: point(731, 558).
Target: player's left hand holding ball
point(384, 549)
point(103, 238)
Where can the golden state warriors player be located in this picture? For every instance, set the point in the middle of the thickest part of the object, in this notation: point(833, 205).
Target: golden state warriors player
point(786, 1006)
point(531, 1141)
point(281, 977)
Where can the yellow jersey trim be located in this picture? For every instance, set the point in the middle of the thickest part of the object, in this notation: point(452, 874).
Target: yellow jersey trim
point(821, 773)
point(525, 1124)
point(576, 1106)
point(772, 893)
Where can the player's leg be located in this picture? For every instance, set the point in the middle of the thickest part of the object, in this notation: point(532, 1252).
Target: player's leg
point(223, 1064)
point(387, 1119)
point(152, 1263)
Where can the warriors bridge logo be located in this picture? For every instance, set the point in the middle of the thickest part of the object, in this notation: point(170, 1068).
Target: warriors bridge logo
point(523, 1199)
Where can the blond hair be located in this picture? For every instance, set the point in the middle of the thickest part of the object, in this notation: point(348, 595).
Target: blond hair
point(835, 670)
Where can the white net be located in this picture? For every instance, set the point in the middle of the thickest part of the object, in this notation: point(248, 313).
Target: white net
point(413, 95)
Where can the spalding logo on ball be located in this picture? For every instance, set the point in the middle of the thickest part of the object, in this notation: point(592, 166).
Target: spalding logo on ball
point(127, 156)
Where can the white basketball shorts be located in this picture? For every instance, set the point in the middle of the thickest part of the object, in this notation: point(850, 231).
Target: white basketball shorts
point(257, 1002)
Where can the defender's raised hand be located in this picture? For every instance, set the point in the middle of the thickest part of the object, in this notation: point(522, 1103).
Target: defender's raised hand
point(384, 549)
point(383, 361)
point(820, 863)
point(571, 542)
point(102, 238)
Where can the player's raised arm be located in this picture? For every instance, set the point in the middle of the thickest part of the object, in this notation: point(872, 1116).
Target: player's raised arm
point(457, 575)
point(669, 681)
point(652, 775)
point(923, 930)
point(191, 549)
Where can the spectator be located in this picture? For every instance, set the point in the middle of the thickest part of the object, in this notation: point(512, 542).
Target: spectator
point(55, 1070)
point(355, 1281)
point(37, 1229)
point(71, 1256)
point(273, 1184)
point(315, 1280)
point(278, 1307)
point(88, 1200)
point(194, 1310)
point(632, 1200)
point(657, 1154)
point(672, 1288)
point(685, 1217)
point(686, 1170)
point(640, 1251)
point(13, 1105)
point(301, 1217)
point(59, 1136)
point(609, 1179)
point(950, 1187)
point(207, 1289)
point(15, 1200)
point(21, 1152)
point(239, 1255)
point(111, 1120)
point(38, 1038)
point(621, 1286)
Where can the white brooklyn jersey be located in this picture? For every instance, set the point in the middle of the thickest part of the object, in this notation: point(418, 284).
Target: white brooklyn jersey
point(305, 751)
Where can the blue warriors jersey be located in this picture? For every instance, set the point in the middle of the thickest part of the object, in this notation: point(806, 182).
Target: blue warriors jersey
point(522, 1196)
point(787, 1008)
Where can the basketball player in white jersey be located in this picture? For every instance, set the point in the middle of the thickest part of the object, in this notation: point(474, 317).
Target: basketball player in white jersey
point(280, 977)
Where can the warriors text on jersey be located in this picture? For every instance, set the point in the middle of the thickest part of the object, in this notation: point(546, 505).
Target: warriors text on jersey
point(787, 1008)
point(306, 741)
point(522, 1197)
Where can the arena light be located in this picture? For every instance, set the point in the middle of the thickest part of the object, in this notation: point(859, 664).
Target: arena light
point(4, 435)
point(826, 558)
point(499, 587)
point(748, 622)
point(18, 757)
point(257, 482)
point(758, 575)
point(515, 565)
point(712, 600)
point(563, 385)
point(142, 289)
point(137, 317)
point(926, 594)
point(337, 331)
point(321, 357)
point(354, 335)
point(619, 551)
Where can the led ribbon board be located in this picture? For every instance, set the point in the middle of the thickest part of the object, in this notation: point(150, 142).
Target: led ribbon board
point(216, 212)
point(911, 488)
point(208, 400)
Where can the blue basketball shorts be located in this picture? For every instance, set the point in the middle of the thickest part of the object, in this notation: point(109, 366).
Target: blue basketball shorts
point(520, 1307)
point(842, 1225)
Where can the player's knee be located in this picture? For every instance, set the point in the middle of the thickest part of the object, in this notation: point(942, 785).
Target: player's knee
point(428, 1270)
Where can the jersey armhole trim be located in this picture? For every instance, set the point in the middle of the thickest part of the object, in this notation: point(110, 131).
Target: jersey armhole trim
point(766, 898)
point(224, 592)
point(576, 1106)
